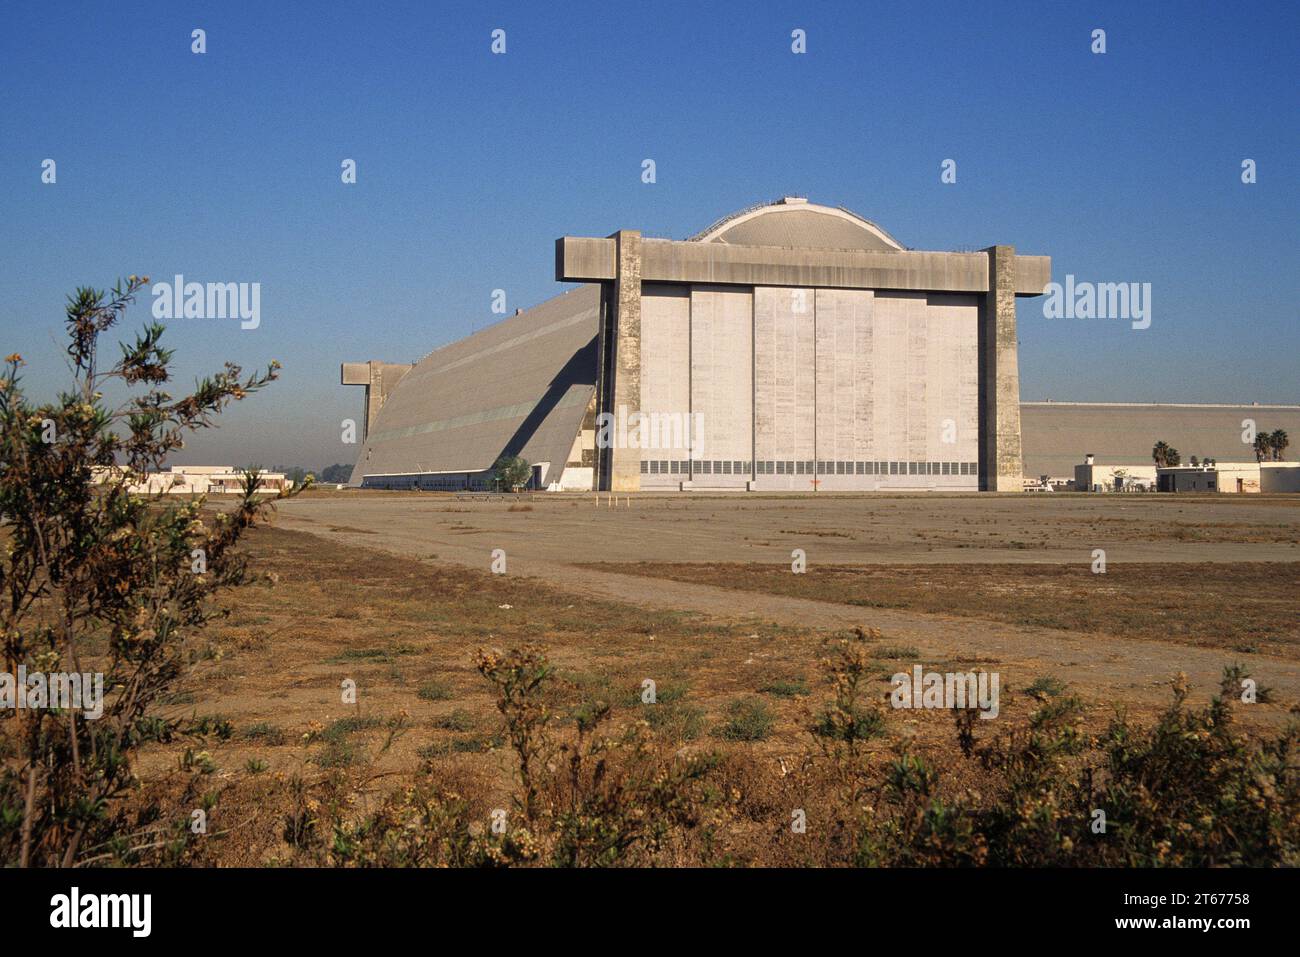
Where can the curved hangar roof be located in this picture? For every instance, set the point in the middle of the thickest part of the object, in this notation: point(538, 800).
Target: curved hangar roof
point(793, 221)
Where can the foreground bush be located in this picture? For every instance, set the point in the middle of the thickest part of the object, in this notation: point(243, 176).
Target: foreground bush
point(96, 579)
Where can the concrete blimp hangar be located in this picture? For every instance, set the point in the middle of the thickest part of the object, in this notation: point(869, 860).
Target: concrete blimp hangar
point(789, 346)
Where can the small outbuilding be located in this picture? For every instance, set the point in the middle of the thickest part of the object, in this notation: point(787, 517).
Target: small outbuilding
point(1230, 477)
point(1090, 476)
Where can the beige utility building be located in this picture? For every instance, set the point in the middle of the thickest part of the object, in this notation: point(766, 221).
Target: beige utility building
point(1230, 477)
point(789, 346)
point(1094, 476)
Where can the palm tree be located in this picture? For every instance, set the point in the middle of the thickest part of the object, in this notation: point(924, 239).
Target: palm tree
point(1263, 446)
point(1279, 442)
point(1165, 454)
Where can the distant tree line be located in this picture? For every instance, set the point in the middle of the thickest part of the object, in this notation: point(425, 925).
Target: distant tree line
point(337, 473)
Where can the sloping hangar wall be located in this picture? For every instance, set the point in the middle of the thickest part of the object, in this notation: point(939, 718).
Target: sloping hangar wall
point(1057, 435)
point(520, 387)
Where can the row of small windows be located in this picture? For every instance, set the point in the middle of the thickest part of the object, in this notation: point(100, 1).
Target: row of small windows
point(724, 467)
point(453, 482)
point(808, 467)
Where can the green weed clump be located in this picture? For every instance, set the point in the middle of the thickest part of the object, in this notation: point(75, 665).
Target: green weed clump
point(749, 719)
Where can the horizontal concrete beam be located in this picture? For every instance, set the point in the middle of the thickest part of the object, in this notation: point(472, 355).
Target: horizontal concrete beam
point(586, 259)
point(367, 373)
point(666, 261)
point(1033, 273)
point(583, 259)
point(356, 373)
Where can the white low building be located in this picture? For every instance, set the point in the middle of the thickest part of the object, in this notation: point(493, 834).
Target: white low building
point(201, 480)
point(1230, 477)
point(1090, 476)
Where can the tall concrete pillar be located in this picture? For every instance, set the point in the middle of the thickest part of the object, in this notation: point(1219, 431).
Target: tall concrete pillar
point(620, 388)
point(1001, 469)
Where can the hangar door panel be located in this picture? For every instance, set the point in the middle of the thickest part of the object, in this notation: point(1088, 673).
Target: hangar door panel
point(784, 388)
point(845, 373)
point(722, 384)
point(665, 384)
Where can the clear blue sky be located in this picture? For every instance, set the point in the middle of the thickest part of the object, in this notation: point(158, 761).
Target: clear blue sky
point(225, 167)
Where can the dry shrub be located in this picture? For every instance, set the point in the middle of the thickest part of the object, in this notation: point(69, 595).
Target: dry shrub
point(1191, 790)
point(100, 579)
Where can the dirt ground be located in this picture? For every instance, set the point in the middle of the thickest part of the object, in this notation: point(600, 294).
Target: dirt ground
point(550, 538)
point(830, 528)
point(394, 592)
